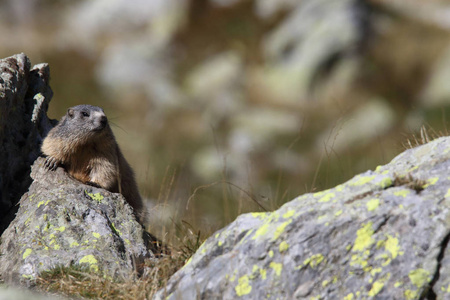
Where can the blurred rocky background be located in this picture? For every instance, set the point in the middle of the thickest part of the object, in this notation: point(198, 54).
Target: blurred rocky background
point(229, 106)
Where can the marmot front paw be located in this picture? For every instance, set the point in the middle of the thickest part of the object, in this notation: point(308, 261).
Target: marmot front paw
point(51, 163)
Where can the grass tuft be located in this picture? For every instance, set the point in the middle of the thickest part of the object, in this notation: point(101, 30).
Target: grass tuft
point(79, 281)
point(410, 182)
point(426, 135)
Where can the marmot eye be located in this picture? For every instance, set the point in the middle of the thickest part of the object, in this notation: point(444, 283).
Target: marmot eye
point(85, 114)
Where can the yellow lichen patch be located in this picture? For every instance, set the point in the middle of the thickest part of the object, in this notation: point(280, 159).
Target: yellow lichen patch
point(361, 180)
point(319, 194)
point(263, 273)
point(255, 272)
point(284, 246)
point(289, 213)
point(26, 253)
point(255, 268)
point(358, 260)
point(364, 237)
point(43, 203)
point(431, 181)
point(392, 246)
point(410, 295)
point(327, 197)
point(387, 259)
point(377, 286)
point(375, 271)
point(340, 188)
point(261, 231)
point(220, 243)
point(385, 182)
point(325, 283)
point(402, 193)
point(46, 227)
point(419, 277)
point(61, 229)
point(96, 235)
point(321, 217)
point(280, 229)
point(447, 195)
point(91, 260)
point(398, 284)
point(74, 244)
point(97, 197)
point(243, 287)
point(349, 297)
point(373, 204)
point(338, 213)
point(277, 267)
point(260, 215)
point(270, 253)
point(314, 260)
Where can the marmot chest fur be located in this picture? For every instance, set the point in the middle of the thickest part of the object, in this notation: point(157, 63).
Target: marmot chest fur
point(83, 143)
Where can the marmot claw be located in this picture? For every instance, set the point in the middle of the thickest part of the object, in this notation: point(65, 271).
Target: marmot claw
point(51, 163)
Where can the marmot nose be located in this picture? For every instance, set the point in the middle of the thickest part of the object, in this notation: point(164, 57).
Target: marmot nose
point(104, 121)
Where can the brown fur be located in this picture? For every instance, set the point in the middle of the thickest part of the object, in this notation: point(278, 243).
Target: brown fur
point(87, 149)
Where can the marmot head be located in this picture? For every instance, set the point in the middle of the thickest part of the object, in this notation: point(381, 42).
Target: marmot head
point(87, 119)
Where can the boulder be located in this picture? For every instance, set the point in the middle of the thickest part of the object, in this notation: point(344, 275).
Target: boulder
point(59, 221)
point(383, 234)
point(24, 97)
point(62, 222)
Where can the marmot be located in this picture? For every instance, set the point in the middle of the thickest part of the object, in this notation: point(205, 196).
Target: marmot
point(83, 143)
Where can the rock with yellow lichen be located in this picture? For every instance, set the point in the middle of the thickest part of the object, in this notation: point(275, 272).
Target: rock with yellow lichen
point(382, 234)
point(62, 222)
point(59, 221)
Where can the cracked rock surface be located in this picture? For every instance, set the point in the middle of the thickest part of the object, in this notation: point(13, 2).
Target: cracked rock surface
point(382, 234)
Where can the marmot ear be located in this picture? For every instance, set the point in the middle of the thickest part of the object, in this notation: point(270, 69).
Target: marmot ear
point(70, 112)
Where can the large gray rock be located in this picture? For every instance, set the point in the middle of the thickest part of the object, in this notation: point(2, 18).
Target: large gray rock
point(24, 97)
point(382, 234)
point(62, 222)
point(59, 221)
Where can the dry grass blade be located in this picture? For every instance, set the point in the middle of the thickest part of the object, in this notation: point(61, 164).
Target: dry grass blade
point(427, 134)
point(202, 187)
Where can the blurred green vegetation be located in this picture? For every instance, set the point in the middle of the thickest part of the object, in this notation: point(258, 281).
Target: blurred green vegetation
point(390, 63)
